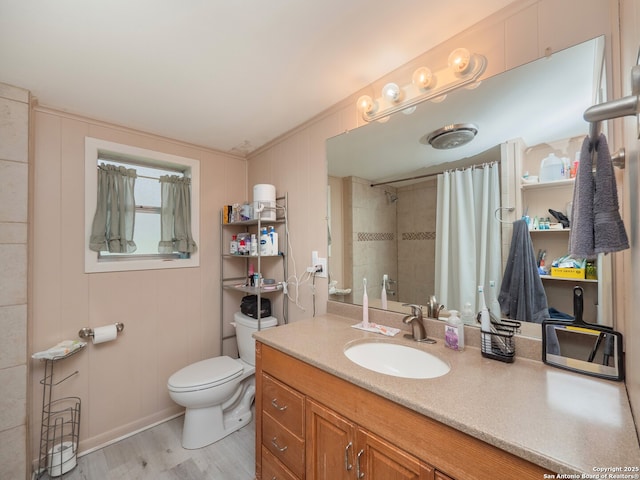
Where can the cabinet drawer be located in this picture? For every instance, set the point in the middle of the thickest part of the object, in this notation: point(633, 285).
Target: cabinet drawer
point(285, 446)
point(283, 404)
point(272, 469)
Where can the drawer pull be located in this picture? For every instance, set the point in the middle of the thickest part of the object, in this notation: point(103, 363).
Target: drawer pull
point(347, 465)
point(274, 402)
point(274, 442)
point(359, 474)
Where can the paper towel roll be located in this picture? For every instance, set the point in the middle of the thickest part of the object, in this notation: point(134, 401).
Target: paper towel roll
point(105, 334)
point(265, 194)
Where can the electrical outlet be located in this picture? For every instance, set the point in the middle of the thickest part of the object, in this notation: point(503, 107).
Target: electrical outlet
point(318, 265)
point(322, 264)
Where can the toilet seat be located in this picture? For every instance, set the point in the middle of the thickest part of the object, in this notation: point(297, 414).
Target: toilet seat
point(205, 374)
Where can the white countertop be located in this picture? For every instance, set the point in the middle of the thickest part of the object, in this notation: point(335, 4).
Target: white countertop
point(563, 421)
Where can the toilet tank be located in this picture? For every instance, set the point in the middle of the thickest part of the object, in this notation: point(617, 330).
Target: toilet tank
point(245, 326)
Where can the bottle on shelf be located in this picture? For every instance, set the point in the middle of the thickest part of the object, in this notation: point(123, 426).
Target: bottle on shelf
point(273, 241)
point(233, 247)
point(264, 242)
point(254, 245)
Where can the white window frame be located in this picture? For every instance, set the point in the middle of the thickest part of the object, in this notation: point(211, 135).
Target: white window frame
point(191, 167)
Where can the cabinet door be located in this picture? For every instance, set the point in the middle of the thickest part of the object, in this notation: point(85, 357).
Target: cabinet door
point(329, 444)
point(379, 460)
point(442, 476)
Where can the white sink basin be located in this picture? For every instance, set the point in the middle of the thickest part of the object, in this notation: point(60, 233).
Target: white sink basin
point(397, 360)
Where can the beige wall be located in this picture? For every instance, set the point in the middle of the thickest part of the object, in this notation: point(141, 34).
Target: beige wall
point(170, 316)
point(14, 175)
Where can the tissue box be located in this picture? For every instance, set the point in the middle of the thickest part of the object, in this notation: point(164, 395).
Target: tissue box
point(567, 272)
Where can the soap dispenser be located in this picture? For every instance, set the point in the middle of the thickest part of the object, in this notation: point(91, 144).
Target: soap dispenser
point(454, 332)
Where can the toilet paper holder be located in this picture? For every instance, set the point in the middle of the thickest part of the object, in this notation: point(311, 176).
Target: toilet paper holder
point(88, 332)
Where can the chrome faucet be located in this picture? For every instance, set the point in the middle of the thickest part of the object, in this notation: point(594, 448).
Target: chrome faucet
point(419, 332)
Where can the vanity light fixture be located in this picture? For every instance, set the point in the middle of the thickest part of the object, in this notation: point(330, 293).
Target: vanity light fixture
point(392, 93)
point(422, 78)
point(460, 61)
point(464, 69)
point(366, 105)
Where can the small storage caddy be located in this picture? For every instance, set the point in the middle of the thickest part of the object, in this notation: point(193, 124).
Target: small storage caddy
point(60, 429)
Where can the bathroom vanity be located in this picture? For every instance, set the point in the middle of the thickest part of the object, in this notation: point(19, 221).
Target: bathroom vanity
point(318, 415)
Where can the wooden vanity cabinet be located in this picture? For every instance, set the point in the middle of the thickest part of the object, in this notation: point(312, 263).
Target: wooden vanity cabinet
point(282, 426)
point(347, 428)
point(338, 449)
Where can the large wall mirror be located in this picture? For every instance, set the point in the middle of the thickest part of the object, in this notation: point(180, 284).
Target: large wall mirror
point(379, 226)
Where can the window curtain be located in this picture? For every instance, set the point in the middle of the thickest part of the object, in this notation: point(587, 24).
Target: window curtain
point(175, 216)
point(468, 239)
point(114, 220)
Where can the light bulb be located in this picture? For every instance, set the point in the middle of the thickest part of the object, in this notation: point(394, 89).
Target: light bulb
point(392, 93)
point(459, 60)
point(366, 104)
point(422, 78)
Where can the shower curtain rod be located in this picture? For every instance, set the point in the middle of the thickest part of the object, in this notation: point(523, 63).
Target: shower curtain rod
point(405, 179)
point(426, 175)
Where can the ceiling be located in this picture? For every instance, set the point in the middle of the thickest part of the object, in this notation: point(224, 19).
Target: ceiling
point(540, 102)
point(230, 75)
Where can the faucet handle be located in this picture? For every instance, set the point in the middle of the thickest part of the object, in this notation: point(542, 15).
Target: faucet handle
point(416, 310)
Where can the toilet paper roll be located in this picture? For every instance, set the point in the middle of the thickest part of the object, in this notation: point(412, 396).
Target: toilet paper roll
point(61, 458)
point(104, 334)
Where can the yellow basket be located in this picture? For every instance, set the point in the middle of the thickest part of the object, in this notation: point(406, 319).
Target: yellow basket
point(567, 272)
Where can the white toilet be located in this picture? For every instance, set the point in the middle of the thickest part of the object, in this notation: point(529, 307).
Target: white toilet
point(218, 392)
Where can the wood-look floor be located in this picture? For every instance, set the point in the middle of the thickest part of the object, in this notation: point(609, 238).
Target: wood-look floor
point(156, 454)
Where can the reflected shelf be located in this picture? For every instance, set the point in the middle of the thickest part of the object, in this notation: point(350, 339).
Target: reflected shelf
point(562, 279)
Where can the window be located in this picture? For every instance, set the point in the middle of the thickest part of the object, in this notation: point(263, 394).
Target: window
point(149, 166)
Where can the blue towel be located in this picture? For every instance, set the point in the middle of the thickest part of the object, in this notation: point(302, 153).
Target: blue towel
point(609, 233)
point(581, 240)
point(522, 296)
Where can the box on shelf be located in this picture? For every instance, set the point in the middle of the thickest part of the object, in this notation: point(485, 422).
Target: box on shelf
point(567, 272)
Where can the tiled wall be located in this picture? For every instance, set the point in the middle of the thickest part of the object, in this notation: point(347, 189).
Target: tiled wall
point(417, 241)
point(14, 181)
point(387, 230)
point(374, 247)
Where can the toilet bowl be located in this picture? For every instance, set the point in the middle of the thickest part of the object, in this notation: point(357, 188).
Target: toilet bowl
point(217, 393)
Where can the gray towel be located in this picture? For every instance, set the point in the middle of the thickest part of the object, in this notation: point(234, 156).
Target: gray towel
point(610, 235)
point(581, 240)
point(522, 296)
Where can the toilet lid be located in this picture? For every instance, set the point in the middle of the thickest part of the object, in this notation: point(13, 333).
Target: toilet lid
point(205, 374)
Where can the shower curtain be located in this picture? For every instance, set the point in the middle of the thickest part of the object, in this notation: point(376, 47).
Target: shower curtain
point(468, 240)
